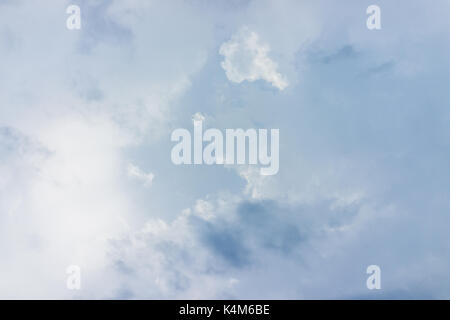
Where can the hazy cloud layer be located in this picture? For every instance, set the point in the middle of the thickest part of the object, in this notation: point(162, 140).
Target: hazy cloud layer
point(85, 171)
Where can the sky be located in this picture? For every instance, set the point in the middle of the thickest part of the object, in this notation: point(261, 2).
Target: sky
point(86, 177)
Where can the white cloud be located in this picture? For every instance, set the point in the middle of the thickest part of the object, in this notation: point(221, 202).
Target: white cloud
point(137, 173)
point(62, 196)
point(198, 116)
point(205, 209)
point(246, 58)
point(231, 247)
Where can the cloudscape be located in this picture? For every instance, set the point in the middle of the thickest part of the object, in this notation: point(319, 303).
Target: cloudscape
point(194, 149)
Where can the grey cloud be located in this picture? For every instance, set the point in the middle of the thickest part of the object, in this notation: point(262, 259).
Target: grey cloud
point(384, 67)
point(346, 52)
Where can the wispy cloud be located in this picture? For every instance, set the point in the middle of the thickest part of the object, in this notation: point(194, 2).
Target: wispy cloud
point(136, 173)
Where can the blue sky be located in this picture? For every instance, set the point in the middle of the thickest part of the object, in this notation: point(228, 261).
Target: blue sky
point(86, 177)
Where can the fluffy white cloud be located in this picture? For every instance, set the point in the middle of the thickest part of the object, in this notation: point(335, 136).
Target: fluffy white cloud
point(246, 58)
